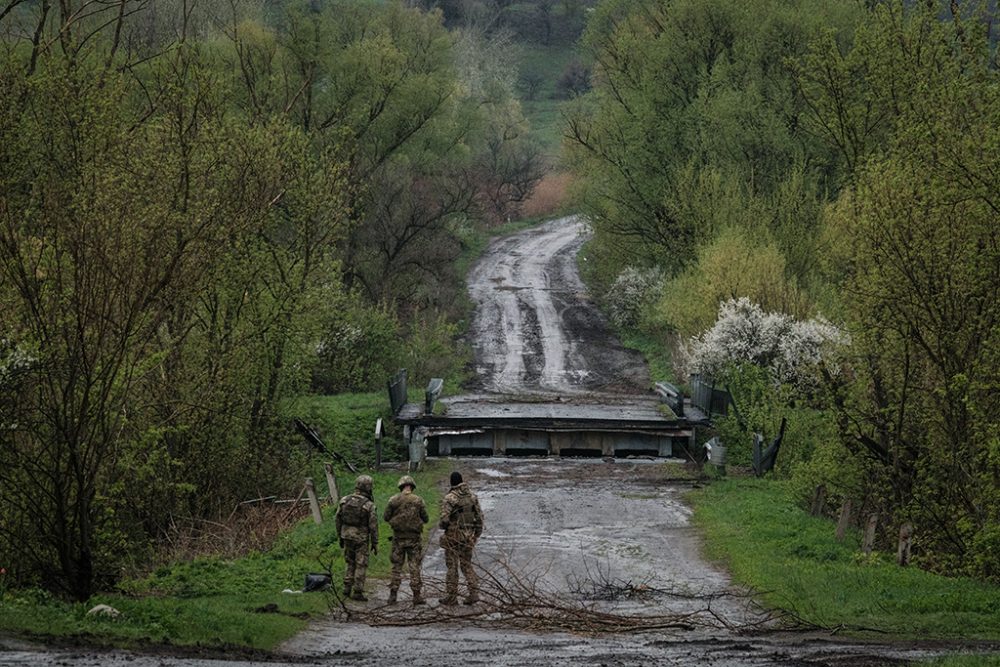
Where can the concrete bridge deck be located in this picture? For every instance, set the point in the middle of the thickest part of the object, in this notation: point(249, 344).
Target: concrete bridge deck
point(567, 426)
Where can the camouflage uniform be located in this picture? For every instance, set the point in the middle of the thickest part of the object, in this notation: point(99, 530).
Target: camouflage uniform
point(407, 514)
point(462, 523)
point(357, 528)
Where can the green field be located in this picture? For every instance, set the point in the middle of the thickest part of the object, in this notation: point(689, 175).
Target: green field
point(545, 111)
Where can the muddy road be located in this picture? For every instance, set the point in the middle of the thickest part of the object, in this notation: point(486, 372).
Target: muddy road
point(535, 331)
point(575, 530)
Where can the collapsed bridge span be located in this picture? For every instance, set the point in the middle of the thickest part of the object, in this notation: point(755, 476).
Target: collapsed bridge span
point(596, 426)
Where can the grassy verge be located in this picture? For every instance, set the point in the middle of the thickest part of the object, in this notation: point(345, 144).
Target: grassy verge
point(211, 601)
point(654, 349)
point(755, 528)
point(346, 423)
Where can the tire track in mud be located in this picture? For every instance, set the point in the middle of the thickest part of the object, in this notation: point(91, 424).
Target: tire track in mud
point(535, 331)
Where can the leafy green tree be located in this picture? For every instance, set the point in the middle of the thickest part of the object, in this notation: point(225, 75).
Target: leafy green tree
point(689, 86)
point(919, 408)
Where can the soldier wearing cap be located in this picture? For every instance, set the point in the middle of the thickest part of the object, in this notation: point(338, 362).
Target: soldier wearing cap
point(406, 513)
point(357, 529)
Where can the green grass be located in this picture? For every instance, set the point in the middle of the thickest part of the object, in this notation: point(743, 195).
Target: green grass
point(544, 112)
point(211, 601)
point(346, 423)
point(655, 350)
point(547, 125)
point(755, 528)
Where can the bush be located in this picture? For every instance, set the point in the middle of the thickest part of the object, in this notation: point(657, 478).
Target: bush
point(574, 80)
point(735, 265)
point(360, 351)
point(744, 333)
point(632, 292)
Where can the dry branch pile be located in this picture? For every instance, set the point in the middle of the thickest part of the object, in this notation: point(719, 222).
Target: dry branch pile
point(517, 600)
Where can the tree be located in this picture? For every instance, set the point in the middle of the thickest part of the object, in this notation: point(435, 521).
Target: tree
point(919, 408)
point(149, 238)
point(693, 87)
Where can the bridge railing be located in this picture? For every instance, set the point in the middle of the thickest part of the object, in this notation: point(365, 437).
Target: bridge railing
point(707, 397)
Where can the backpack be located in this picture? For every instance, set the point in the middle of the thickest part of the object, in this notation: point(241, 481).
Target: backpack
point(465, 514)
point(407, 518)
point(353, 512)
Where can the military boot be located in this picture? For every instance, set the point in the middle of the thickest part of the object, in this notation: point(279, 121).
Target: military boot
point(392, 595)
point(347, 590)
point(472, 599)
point(449, 601)
point(417, 599)
point(359, 595)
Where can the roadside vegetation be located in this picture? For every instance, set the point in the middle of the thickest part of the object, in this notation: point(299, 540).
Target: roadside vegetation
point(758, 529)
point(788, 199)
point(214, 217)
point(217, 601)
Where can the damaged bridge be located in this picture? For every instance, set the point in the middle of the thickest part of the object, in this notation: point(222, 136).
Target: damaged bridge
point(606, 426)
point(550, 377)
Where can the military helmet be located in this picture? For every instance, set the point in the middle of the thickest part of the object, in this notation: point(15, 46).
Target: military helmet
point(363, 483)
point(406, 480)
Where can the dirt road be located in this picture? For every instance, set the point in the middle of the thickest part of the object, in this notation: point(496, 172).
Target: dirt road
point(535, 330)
point(561, 525)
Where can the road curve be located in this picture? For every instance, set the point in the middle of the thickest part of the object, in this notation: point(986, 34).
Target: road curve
point(535, 331)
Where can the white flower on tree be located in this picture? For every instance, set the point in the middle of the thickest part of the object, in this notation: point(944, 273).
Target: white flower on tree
point(632, 290)
point(744, 333)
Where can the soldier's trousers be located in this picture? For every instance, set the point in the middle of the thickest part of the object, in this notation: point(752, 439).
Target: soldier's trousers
point(356, 557)
point(458, 554)
point(406, 551)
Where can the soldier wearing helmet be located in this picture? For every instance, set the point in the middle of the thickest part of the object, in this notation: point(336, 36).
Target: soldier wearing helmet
point(357, 529)
point(406, 513)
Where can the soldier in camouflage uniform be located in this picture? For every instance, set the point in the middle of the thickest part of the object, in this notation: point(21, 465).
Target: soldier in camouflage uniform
point(407, 514)
point(462, 523)
point(357, 529)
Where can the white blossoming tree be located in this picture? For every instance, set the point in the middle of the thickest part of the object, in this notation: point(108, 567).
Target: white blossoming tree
point(744, 333)
point(632, 291)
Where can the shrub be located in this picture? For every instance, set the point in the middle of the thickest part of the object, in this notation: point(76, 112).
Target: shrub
point(631, 293)
point(574, 80)
point(744, 333)
point(360, 351)
point(735, 264)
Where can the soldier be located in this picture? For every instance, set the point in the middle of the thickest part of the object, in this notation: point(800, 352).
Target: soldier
point(357, 528)
point(407, 514)
point(462, 523)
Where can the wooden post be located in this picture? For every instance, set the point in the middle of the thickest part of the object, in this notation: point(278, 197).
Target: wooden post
point(905, 542)
point(869, 540)
point(313, 501)
point(819, 501)
point(331, 484)
point(379, 430)
point(844, 520)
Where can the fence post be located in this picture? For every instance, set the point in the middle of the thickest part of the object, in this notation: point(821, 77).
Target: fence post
point(313, 501)
point(379, 432)
point(844, 520)
point(331, 484)
point(869, 541)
